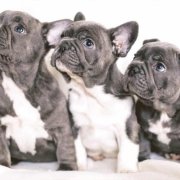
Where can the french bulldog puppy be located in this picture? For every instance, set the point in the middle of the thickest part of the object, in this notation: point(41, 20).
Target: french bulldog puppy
point(34, 120)
point(153, 76)
point(104, 115)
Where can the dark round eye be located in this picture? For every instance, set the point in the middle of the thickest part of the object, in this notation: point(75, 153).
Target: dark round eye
point(88, 43)
point(19, 29)
point(160, 67)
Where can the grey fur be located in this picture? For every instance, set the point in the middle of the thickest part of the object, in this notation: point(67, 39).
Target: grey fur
point(22, 59)
point(154, 76)
point(90, 73)
point(94, 63)
point(5, 158)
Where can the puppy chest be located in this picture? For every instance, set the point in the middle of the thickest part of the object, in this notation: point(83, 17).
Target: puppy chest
point(27, 125)
point(161, 128)
point(96, 108)
point(99, 141)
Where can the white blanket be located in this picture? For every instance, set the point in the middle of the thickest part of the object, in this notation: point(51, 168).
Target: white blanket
point(103, 170)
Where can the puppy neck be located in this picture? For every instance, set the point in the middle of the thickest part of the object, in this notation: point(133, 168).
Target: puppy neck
point(114, 82)
point(25, 75)
point(169, 105)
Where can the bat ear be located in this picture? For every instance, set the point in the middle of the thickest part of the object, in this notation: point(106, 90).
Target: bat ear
point(123, 37)
point(150, 40)
point(52, 31)
point(79, 17)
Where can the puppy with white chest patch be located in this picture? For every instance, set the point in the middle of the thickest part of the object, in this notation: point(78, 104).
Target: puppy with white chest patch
point(34, 120)
point(104, 115)
point(153, 76)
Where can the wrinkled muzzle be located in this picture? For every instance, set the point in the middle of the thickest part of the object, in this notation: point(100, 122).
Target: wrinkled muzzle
point(66, 55)
point(138, 80)
point(4, 37)
point(5, 44)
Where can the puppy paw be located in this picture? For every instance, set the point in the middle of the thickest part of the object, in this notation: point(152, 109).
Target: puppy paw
point(5, 161)
point(126, 168)
point(68, 167)
point(5, 157)
point(171, 156)
point(82, 166)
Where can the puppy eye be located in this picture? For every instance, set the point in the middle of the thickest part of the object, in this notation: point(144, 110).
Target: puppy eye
point(160, 67)
point(88, 43)
point(19, 29)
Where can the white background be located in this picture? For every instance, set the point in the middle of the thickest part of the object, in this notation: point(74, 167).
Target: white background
point(156, 18)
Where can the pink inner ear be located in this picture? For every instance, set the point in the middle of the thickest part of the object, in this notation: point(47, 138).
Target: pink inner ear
point(55, 31)
point(120, 45)
point(53, 36)
point(117, 46)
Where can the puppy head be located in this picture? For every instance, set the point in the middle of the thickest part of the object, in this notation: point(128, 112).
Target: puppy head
point(18, 31)
point(24, 40)
point(87, 50)
point(154, 73)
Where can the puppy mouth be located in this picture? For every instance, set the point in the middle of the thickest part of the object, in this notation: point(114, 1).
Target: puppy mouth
point(136, 88)
point(65, 58)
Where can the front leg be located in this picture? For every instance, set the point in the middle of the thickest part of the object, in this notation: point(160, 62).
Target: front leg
point(81, 154)
point(127, 156)
point(128, 142)
point(5, 157)
point(145, 147)
point(65, 151)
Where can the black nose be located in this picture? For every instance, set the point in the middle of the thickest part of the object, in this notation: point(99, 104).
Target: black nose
point(66, 45)
point(133, 70)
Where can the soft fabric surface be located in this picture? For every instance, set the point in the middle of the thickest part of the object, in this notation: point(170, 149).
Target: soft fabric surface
point(102, 170)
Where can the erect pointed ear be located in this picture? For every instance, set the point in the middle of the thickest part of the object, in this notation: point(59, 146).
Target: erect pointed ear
point(52, 31)
point(79, 17)
point(123, 37)
point(150, 40)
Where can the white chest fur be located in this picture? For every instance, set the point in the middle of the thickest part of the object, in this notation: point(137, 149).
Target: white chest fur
point(161, 131)
point(100, 116)
point(27, 125)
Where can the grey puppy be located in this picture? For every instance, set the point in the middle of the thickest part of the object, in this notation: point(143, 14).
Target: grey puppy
point(153, 76)
point(104, 115)
point(34, 120)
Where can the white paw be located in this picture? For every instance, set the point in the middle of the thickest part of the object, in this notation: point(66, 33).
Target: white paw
point(128, 157)
point(82, 165)
point(127, 167)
